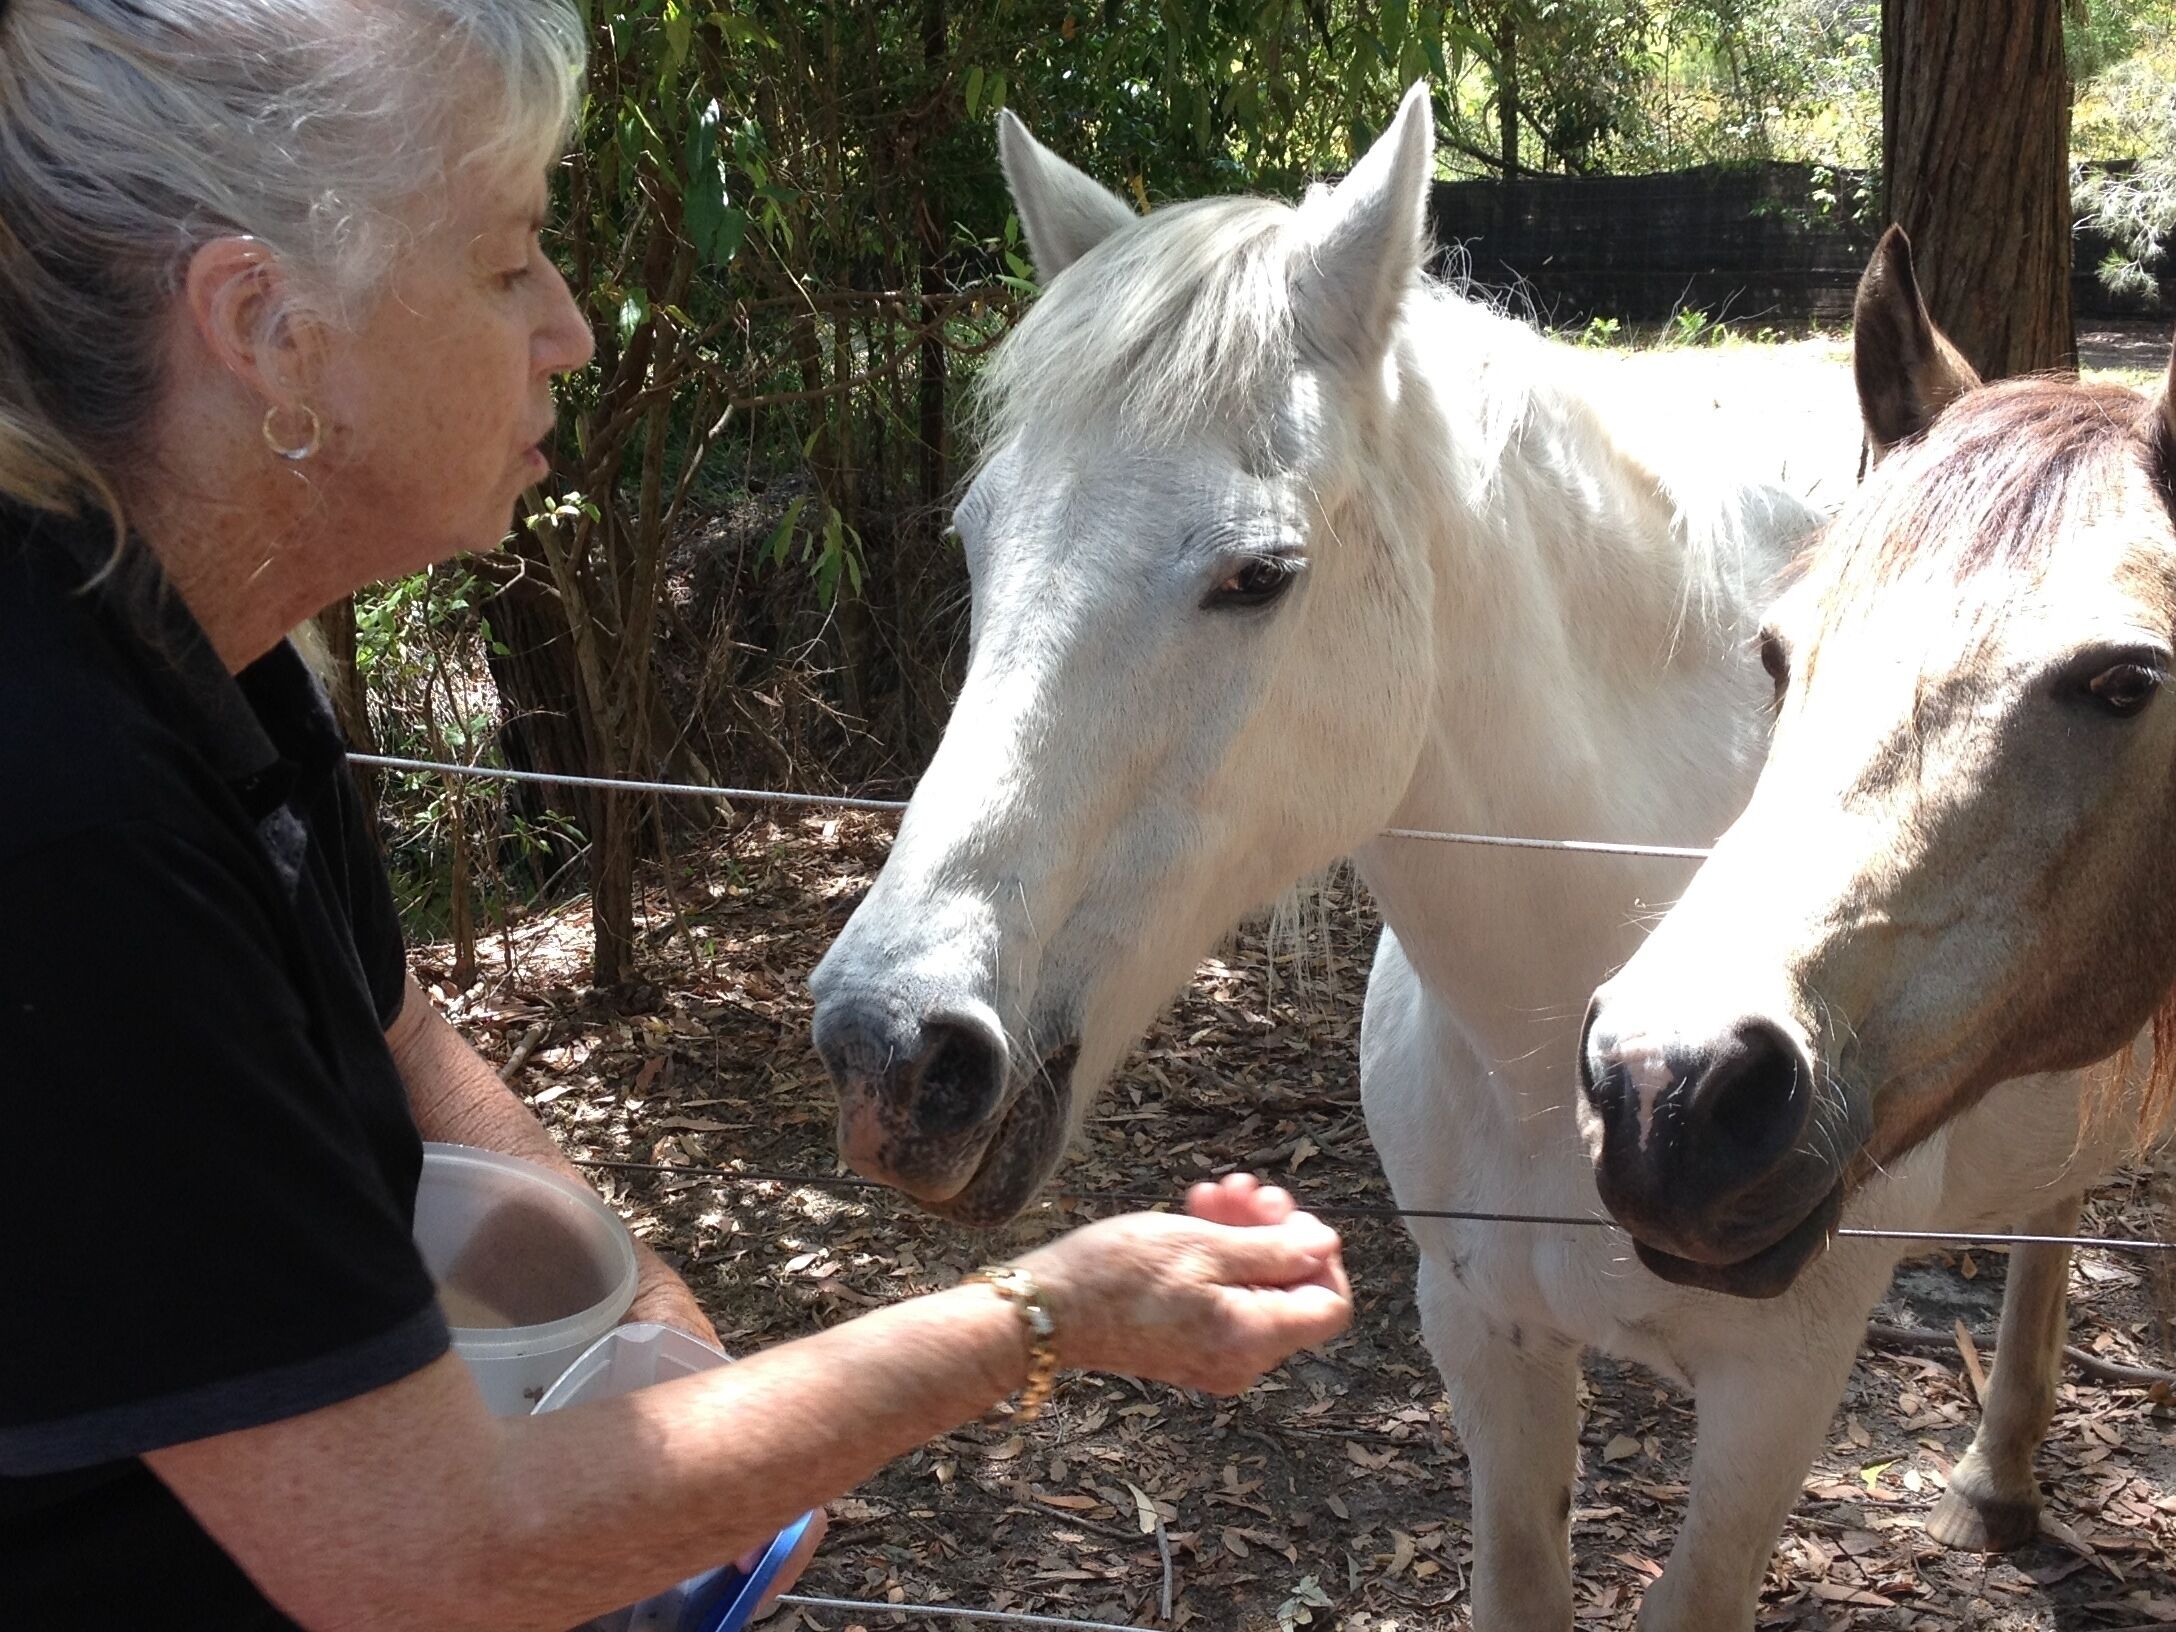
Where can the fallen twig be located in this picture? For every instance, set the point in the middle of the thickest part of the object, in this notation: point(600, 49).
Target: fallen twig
point(1882, 1335)
point(522, 1050)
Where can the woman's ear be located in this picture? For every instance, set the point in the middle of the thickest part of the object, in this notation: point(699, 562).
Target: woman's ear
point(240, 308)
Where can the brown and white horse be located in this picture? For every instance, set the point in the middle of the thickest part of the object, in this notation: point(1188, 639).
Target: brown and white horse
point(1958, 869)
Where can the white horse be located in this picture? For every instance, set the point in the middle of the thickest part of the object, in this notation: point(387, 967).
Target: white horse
point(1280, 545)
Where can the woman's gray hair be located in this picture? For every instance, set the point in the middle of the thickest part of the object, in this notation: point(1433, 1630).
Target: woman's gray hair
point(133, 132)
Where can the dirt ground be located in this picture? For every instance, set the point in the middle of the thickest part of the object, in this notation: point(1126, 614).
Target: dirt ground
point(1333, 1495)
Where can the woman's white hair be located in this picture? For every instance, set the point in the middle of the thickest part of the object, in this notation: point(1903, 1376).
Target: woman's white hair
point(132, 132)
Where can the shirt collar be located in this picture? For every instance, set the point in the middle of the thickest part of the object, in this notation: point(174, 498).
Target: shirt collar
point(263, 730)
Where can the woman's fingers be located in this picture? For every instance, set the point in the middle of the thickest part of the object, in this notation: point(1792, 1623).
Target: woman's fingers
point(1273, 1254)
point(1239, 1199)
point(803, 1550)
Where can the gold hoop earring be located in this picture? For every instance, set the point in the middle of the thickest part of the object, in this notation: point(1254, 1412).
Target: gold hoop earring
point(293, 452)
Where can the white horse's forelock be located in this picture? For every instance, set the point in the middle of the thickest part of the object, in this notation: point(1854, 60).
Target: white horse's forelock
point(1175, 324)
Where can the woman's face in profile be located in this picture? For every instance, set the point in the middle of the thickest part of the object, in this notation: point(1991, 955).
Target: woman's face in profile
point(435, 408)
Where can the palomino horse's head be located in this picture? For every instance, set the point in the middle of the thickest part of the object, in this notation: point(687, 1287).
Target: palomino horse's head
point(1957, 865)
point(1198, 671)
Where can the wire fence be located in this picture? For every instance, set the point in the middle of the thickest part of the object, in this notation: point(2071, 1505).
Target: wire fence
point(1326, 1207)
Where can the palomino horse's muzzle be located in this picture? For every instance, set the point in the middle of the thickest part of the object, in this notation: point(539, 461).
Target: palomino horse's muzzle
point(1707, 1152)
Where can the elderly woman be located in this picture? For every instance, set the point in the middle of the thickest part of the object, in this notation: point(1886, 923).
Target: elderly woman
point(274, 323)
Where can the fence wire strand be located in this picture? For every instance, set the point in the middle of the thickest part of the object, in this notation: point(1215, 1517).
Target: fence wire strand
point(1365, 1209)
point(954, 1612)
point(834, 801)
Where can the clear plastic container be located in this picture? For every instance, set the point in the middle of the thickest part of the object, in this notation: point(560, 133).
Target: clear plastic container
point(720, 1600)
point(532, 1268)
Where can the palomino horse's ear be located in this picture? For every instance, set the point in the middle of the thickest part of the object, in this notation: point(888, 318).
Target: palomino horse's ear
point(1065, 212)
point(2167, 404)
point(1907, 370)
point(1361, 243)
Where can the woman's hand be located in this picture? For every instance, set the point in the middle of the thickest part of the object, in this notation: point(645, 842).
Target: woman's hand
point(1209, 1301)
point(783, 1582)
point(662, 1296)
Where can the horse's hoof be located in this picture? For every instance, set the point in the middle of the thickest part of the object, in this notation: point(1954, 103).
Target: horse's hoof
point(1973, 1522)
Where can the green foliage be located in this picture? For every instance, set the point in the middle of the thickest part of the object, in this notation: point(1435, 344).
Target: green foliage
point(2124, 55)
point(1689, 326)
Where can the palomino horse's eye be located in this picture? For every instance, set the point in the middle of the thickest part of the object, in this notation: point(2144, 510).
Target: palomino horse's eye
point(2125, 688)
point(1254, 582)
point(1777, 661)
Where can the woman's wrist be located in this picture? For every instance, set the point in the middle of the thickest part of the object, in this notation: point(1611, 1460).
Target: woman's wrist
point(992, 1339)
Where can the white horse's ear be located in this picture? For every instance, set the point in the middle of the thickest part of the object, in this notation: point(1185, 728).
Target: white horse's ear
point(1361, 243)
point(1066, 213)
point(1907, 370)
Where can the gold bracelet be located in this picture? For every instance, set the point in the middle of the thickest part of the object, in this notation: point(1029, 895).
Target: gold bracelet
point(1017, 1287)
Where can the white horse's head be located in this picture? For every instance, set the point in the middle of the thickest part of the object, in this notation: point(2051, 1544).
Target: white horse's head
point(1200, 665)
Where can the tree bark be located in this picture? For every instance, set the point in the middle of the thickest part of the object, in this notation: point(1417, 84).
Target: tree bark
point(350, 696)
point(1507, 90)
point(1975, 104)
point(541, 706)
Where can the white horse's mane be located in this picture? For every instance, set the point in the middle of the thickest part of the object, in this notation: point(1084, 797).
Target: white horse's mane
point(1184, 324)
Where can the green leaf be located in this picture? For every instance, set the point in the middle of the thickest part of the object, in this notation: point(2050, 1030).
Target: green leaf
point(782, 535)
point(714, 227)
point(973, 93)
point(634, 312)
point(679, 34)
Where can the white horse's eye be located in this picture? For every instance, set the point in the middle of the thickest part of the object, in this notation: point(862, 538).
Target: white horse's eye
point(1254, 582)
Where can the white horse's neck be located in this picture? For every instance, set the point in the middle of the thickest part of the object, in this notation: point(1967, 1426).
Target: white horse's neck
point(1594, 679)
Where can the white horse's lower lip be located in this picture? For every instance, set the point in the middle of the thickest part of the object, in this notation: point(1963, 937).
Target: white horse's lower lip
point(1022, 1151)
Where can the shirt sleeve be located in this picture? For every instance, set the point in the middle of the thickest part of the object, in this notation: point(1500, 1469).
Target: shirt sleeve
point(201, 1237)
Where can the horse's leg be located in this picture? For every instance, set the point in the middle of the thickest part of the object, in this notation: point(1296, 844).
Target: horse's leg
point(1761, 1422)
point(1993, 1500)
point(1515, 1401)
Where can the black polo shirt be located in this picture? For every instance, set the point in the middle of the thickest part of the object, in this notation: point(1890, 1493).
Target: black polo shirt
point(210, 1166)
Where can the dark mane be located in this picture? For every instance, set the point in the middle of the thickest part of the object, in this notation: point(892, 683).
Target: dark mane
point(1993, 485)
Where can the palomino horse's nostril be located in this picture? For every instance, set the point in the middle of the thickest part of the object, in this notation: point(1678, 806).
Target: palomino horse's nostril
point(1754, 1096)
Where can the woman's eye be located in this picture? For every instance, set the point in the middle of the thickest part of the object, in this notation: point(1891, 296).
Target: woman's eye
point(2125, 688)
point(1254, 582)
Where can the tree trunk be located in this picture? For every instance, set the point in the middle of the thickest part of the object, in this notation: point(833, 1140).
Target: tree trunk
point(1975, 107)
point(540, 689)
point(1507, 90)
point(350, 697)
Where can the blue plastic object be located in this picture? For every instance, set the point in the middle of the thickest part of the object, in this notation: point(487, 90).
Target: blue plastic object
point(727, 1598)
